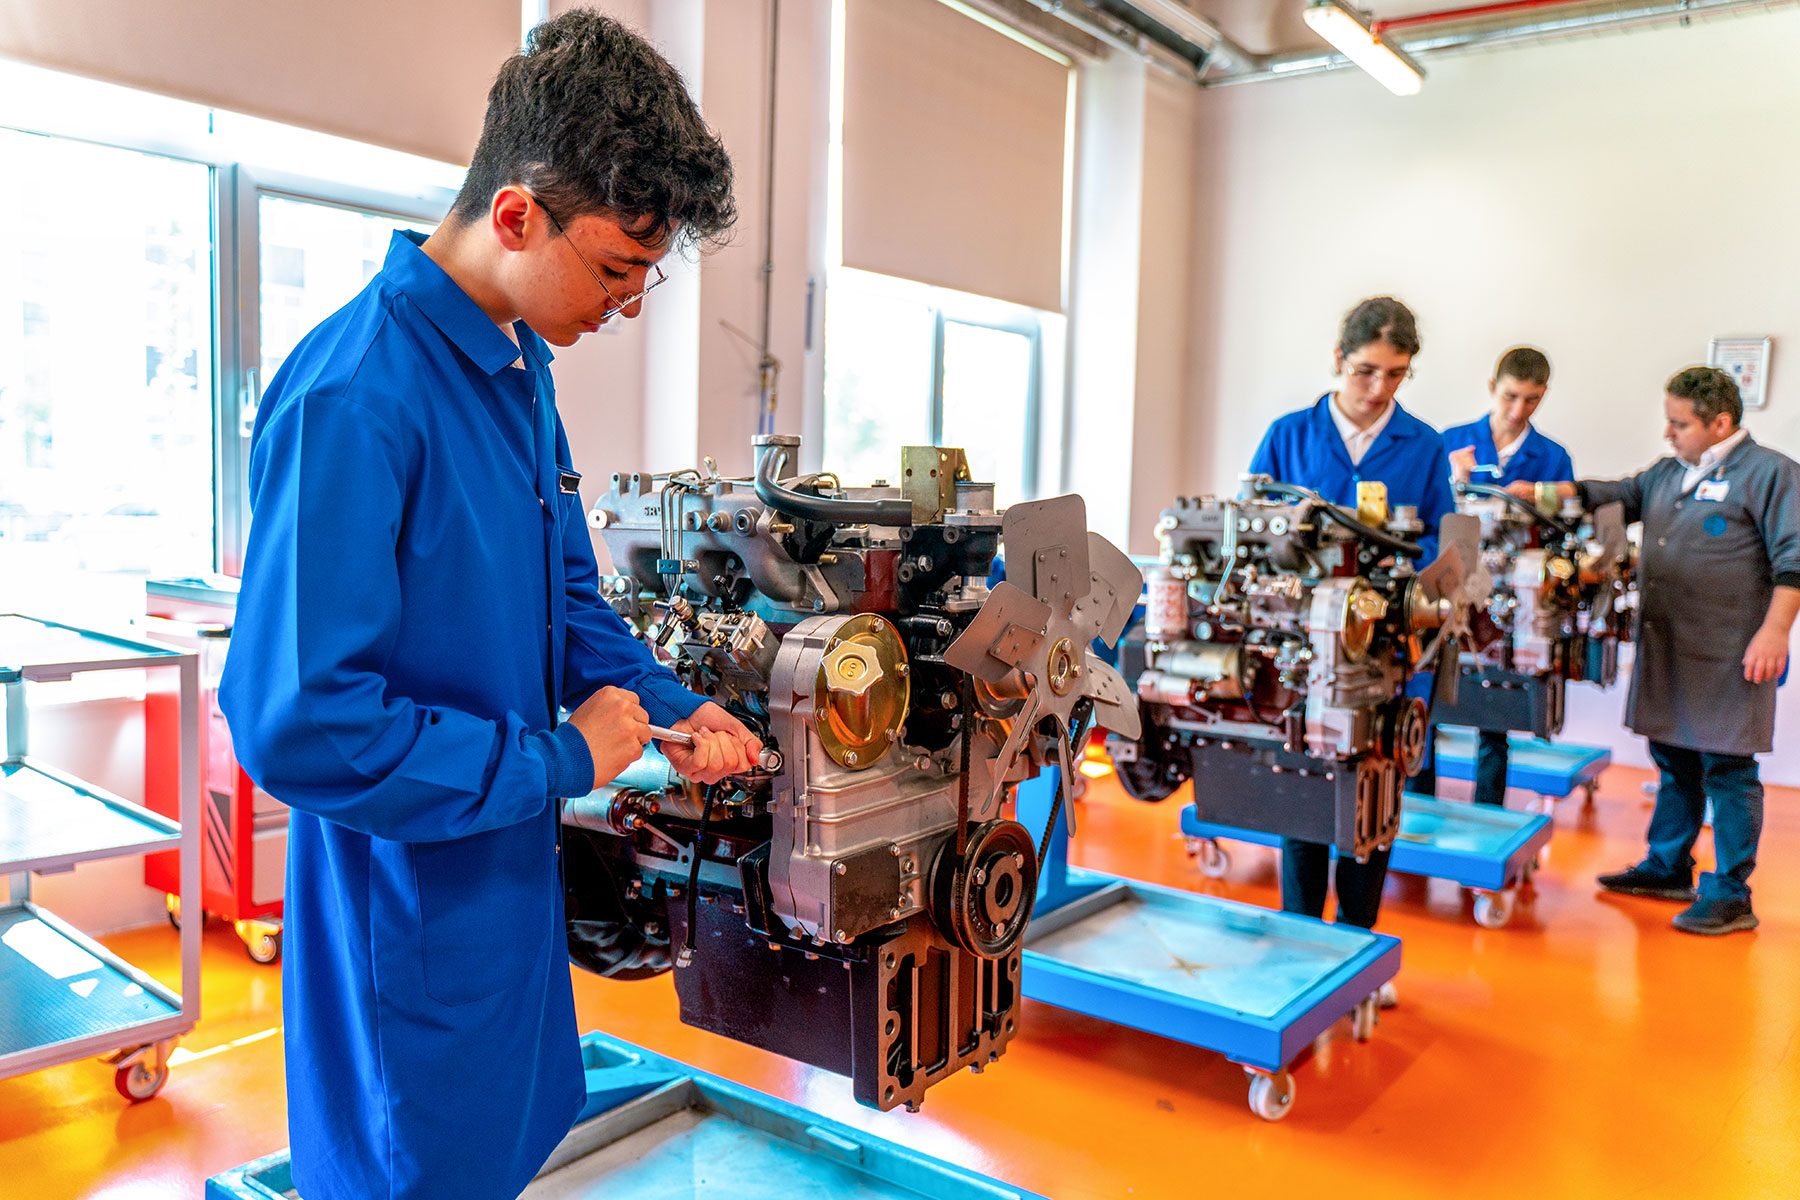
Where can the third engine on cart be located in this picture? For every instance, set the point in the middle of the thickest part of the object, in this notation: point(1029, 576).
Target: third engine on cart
point(1272, 662)
point(859, 901)
point(1562, 581)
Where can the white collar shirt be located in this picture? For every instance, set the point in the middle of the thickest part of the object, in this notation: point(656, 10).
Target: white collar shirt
point(1504, 454)
point(1358, 441)
point(1710, 459)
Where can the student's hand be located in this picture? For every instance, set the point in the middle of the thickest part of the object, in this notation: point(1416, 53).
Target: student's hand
point(722, 746)
point(1524, 490)
point(1462, 464)
point(1767, 656)
point(616, 728)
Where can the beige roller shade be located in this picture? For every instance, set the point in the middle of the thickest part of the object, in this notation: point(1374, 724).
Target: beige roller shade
point(953, 152)
point(408, 74)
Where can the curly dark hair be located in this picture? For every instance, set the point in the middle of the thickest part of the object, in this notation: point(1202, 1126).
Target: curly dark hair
point(1710, 390)
point(1383, 319)
point(593, 120)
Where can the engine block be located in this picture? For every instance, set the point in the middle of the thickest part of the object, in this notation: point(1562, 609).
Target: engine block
point(859, 901)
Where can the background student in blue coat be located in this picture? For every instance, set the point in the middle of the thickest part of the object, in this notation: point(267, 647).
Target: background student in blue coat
point(419, 599)
point(1359, 432)
point(1501, 448)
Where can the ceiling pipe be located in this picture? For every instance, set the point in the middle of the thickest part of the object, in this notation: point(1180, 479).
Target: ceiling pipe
point(1473, 12)
point(1477, 34)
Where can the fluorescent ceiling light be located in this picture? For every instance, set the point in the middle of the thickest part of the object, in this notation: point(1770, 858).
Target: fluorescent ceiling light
point(1351, 35)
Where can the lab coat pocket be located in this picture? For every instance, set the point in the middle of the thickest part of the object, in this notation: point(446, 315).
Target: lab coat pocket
point(484, 910)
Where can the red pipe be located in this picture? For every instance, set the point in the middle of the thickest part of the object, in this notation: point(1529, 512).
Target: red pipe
point(1471, 13)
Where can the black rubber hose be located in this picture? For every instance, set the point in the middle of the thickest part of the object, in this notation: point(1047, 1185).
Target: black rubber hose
point(1530, 510)
point(1380, 537)
point(828, 509)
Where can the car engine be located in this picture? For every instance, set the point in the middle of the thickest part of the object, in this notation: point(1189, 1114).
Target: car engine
point(1279, 635)
point(858, 901)
point(1559, 607)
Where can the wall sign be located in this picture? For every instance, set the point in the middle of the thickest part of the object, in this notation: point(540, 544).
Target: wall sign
point(1747, 360)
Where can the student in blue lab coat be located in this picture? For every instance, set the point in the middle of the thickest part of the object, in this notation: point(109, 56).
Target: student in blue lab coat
point(1359, 432)
point(420, 597)
point(1500, 448)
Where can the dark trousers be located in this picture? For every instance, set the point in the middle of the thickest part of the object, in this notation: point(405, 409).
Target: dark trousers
point(1306, 877)
point(1492, 757)
point(1491, 761)
point(1689, 777)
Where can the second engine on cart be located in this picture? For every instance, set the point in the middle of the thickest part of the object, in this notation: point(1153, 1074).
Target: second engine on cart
point(1272, 662)
point(1562, 583)
point(858, 902)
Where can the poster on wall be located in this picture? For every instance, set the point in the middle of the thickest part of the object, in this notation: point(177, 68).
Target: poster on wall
point(1747, 361)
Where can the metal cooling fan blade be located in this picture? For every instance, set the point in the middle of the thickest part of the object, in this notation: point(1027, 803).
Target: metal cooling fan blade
point(1448, 682)
point(1114, 584)
point(1046, 547)
point(1004, 636)
point(1115, 707)
point(1609, 531)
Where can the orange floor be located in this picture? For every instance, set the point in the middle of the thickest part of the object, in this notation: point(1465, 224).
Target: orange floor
point(1584, 1051)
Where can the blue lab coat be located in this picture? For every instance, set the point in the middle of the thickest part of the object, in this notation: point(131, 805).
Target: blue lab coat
point(1305, 448)
point(1539, 460)
point(419, 595)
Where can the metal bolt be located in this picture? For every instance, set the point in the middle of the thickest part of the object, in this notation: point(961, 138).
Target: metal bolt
point(841, 869)
point(980, 874)
point(842, 936)
point(1018, 859)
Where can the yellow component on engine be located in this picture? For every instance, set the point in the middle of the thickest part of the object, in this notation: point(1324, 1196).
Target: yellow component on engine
point(1372, 503)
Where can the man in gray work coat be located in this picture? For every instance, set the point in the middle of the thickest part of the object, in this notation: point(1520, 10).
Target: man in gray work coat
point(1719, 588)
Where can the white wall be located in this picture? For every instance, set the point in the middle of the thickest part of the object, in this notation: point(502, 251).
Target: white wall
point(1616, 200)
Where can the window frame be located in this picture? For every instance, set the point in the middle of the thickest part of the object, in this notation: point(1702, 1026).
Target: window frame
point(195, 134)
point(1026, 324)
point(239, 403)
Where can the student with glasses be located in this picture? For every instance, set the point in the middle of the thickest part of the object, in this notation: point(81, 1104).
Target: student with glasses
point(419, 601)
point(1358, 433)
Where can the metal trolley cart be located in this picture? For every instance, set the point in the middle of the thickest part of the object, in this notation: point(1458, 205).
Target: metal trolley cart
point(65, 996)
point(1551, 769)
point(653, 1129)
point(244, 847)
point(1490, 851)
point(1254, 985)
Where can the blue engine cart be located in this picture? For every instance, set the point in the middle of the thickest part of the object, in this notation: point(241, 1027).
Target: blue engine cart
point(1551, 769)
point(654, 1129)
point(1490, 851)
point(1254, 985)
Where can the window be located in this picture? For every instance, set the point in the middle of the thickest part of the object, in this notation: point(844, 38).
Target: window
point(907, 364)
point(315, 257)
point(177, 254)
point(106, 373)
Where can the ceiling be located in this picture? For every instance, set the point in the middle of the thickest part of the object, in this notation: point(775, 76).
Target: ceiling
point(1274, 26)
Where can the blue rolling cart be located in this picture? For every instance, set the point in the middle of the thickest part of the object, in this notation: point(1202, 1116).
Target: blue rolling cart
point(654, 1129)
point(1490, 851)
point(1551, 769)
point(1253, 985)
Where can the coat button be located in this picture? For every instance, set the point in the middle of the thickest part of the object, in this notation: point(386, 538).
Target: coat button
point(1662, 541)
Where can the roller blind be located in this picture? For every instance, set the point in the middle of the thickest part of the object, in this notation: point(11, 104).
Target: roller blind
point(408, 74)
point(953, 152)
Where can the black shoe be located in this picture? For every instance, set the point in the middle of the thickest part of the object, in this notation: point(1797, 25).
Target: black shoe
point(1642, 881)
point(1710, 918)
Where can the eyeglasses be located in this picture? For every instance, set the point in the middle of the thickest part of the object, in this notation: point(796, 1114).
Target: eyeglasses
point(651, 278)
point(1365, 372)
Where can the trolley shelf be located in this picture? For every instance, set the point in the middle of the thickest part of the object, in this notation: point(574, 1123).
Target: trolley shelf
point(45, 651)
point(62, 989)
point(50, 821)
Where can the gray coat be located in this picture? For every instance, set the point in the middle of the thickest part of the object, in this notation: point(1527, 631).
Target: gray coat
point(1708, 571)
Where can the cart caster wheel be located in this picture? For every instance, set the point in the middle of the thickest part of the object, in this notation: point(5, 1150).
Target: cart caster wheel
point(1215, 860)
point(140, 1081)
point(1363, 1018)
point(1272, 1096)
point(1493, 909)
point(265, 948)
point(172, 910)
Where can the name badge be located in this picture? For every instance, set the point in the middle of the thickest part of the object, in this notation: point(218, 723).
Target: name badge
point(568, 482)
point(1712, 489)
